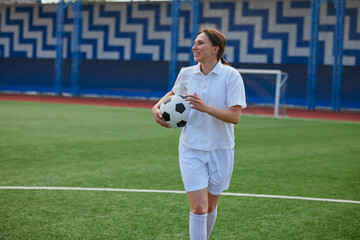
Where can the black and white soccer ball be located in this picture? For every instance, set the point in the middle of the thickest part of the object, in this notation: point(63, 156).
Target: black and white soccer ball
point(175, 111)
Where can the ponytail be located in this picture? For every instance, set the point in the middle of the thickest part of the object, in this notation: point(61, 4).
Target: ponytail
point(223, 61)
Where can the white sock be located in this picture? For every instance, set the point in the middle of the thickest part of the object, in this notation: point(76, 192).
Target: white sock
point(211, 217)
point(197, 226)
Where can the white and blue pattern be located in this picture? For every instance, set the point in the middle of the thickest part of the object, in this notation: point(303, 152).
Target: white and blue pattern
point(262, 31)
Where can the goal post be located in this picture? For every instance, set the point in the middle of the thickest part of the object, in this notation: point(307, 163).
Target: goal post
point(280, 80)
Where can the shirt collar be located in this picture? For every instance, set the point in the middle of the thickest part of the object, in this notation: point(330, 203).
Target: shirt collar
point(217, 69)
point(197, 68)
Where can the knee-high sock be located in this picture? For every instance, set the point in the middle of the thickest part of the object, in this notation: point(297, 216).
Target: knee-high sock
point(197, 226)
point(211, 217)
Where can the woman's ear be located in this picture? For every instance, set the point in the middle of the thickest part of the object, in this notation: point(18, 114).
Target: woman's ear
point(216, 50)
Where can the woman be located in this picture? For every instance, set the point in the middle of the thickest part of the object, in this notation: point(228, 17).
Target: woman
point(216, 95)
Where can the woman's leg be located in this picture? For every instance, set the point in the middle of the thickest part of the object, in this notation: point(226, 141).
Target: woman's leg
point(198, 201)
point(212, 212)
point(212, 202)
point(203, 213)
point(198, 214)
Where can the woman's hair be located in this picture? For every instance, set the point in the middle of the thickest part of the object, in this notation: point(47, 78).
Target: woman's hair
point(217, 39)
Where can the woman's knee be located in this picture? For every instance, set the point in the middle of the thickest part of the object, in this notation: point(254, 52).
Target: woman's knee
point(199, 208)
point(198, 201)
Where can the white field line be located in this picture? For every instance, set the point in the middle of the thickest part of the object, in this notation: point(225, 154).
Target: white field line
point(178, 192)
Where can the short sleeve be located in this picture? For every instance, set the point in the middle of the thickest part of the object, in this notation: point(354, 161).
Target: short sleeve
point(179, 86)
point(235, 90)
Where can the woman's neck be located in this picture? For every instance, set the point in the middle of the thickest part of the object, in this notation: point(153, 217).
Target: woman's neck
point(207, 67)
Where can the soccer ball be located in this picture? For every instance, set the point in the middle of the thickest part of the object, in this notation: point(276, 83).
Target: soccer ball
point(175, 111)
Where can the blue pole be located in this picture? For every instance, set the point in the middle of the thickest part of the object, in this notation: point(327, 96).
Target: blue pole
point(174, 43)
point(338, 52)
point(194, 27)
point(175, 6)
point(312, 62)
point(59, 62)
point(76, 57)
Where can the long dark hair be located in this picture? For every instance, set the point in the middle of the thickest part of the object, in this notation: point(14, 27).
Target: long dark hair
point(217, 39)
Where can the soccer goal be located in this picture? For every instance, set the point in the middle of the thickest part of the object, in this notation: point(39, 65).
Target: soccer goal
point(265, 87)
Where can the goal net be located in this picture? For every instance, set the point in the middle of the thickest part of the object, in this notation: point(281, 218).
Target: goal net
point(266, 88)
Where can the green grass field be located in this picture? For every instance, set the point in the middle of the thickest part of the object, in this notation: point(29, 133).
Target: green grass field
point(62, 145)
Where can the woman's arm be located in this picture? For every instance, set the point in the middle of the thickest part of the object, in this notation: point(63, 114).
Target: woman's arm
point(231, 115)
point(156, 110)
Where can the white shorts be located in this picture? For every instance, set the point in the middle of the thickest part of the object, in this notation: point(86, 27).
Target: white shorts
point(201, 169)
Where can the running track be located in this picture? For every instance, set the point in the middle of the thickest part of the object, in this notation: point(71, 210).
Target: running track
point(292, 113)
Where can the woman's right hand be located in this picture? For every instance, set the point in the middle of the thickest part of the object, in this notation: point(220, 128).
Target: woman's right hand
point(158, 117)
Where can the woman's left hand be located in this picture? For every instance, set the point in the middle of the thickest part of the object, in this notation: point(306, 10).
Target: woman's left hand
point(197, 103)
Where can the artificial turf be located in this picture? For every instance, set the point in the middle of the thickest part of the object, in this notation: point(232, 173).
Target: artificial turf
point(110, 147)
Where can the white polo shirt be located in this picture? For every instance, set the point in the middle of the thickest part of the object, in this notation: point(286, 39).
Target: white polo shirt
point(222, 88)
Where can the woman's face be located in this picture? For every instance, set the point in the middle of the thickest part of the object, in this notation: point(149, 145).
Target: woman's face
point(203, 49)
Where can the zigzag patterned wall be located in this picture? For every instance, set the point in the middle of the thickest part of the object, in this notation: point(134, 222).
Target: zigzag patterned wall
point(261, 31)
